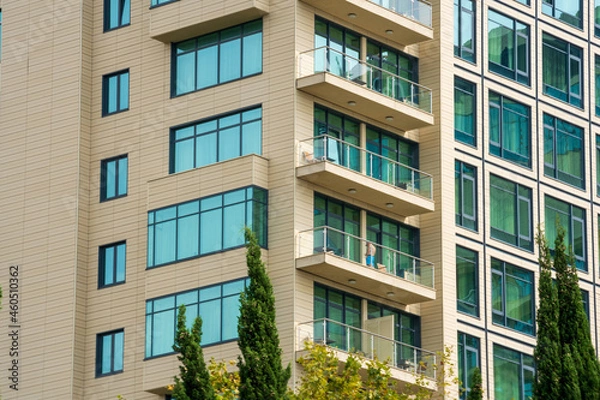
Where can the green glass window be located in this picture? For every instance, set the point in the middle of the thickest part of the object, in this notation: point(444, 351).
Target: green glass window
point(562, 70)
point(512, 297)
point(345, 150)
point(465, 195)
point(563, 151)
point(597, 165)
point(407, 329)
point(568, 11)
point(508, 47)
point(464, 29)
point(510, 136)
point(464, 111)
point(341, 309)
point(116, 14)
point(511, 213)
point(468, 360)
point(597, 83)
point(572, 219)
point(340, 227)
point(514, 373)
point(395, 236)
point(467, 281)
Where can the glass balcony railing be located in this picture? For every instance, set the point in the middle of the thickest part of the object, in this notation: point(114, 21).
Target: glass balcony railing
point(327, 148)
point(417, 10)
point(367, 344)
point(387, 260)
point(326, 59)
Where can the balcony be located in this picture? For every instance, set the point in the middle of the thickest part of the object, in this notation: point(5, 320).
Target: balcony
point(338, 256)
point(364, 175)
point(364, 88)
point(402, 21)
point(406, 361)
point(186, 19)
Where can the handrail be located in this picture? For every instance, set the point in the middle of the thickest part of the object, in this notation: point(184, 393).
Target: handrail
point(417, 10)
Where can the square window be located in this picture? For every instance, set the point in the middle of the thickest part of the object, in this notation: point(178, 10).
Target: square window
point(111, 264)
point(117, 13)
point(510, 130)
point(113, 178)
point(109, 352)
point(115, 92)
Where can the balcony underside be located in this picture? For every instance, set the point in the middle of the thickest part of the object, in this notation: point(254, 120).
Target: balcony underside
point(368, 190)
point(377, 19)
point(367, 102)
point(366, 279)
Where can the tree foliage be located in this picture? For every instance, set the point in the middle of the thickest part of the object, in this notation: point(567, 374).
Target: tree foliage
point(476, 392)
point(225, 383)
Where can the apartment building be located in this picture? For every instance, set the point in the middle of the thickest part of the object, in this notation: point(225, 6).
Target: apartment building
point(394, 158)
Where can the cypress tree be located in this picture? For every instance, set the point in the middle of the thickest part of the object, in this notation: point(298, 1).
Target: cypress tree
point(476, 392)
point(262, 376)
point(194, 383)
point(569, 380)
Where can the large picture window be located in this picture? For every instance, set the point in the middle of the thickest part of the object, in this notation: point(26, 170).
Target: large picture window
point(563, 151)
point(572, 219)
point(514, 374)
point(465, 195)
point(511, 213)
point(464, 111)
point(508, 47)
point(562, 70)
point(510, 136)
point(513, 297)
point(464, 29)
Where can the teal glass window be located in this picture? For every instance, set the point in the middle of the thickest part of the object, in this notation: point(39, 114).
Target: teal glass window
point(217, 58)
point(511, 213)
point(217, 139)
point(217, 305)
point(113, 178)
point(562, 70)
point(569, 11)
point(468, 360)
point(155, 3)
point(117, 14)
point(508, 47)
point(464, 112)
point(341, 49)
point(341, 309)
point(342, 224)
point(465, 195)
point(597, 17)
point(407, 330)
point(396, 63)
point(467, 281)
point(597, 83)
point(597, 165)
point(563, 151)
point(112, 259)
point(392, 235)
point(109, 352)
point(514, 374)
point(464, 29)
point(510, 129)
point(513, 297)
point(207, 225)
point(115, 92)
point(572, 219)
point(344, 148)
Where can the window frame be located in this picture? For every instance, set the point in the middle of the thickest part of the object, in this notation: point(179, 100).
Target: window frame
point(459, 135)
point(567, 96)
point(461, 176)
point(102, 264)
point(461, 304)
point(463, 349)
point(597, 165)
point(597, 82)
point(516, 74)
point(120, 12)
point(160, 3)
point(522, 368)
point(100, 352)
point(106, 95)
point(580, 260)
point(117, 177)
point(552, 170)
point(498, 148)
point(460, 14)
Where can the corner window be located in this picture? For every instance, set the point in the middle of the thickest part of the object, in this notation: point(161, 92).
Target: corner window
point(217, 58)
point(117, 13)
point(111, 264)
point(113, 178)
point(510, 130)
point(572, 219)
point(514, 374)
point(563, 151)
point(568, 11)
point(467, 281)
point(562, 70)
point(109, 352)
point(464, 29)
point(115, 92)
point(217, 139)
point(511, 213)
point(468, 360)
point(512, 297)
point(508, 47)
point(464, 112)
point(465, 195)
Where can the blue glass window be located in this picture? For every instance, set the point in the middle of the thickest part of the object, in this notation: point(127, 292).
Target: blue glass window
point(112, 264)
point(154, 3)
point(115, 92)
point(109, 352)
point(117, 13)
point(113, 178)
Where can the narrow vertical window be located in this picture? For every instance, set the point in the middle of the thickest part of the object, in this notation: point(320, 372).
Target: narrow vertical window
point(109, 352)
point(597, 85)
point(465, 185)
point(117, 13)
point(467, 281)
point(597, 17)
point(111, 264)
point(563, 151)
point(115, 92)
point(508, 47)
point(597, 165)
point(510, 136)
point(464, 29)
point(468, 360)
point(562, 73)
point(572, 219)
point(464, 111)
point(510, 213)
point(113, 178)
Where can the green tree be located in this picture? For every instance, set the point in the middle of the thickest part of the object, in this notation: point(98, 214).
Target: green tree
point(547, 353)
point(476, 392)
point(194, 381)
point(225, 383)
point(262, 376)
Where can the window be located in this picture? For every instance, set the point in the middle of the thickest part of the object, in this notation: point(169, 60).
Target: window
point(508, 47)
point(394, 237)
point(597, 17)
point(563, 151)
point(343, 227)
point(217, 58)
point(112, 264)
point(526, 2)
point(341, 49)
point(207, 225)
point(155, 3)
point(468, 360)
point(512, 297)
point(407, 328)
point(467, 281)
point(597, 165)
point(465, 195)
point(562, 73)
point(514, 374)
point(397, 63)
point(464, 111)
point(597, 82)
point(511, 213)
point(464, 29)
point(116, 14)
point(218, 139)
point(109, 352)
point(342, 309)
point(510, 130)
point(585, 299)
point(115, 92)
point(572, 219)
point(218, 304)
point(568, 11)
point(113, 178)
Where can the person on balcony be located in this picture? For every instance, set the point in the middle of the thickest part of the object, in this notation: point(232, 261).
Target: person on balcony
point(370, 254)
